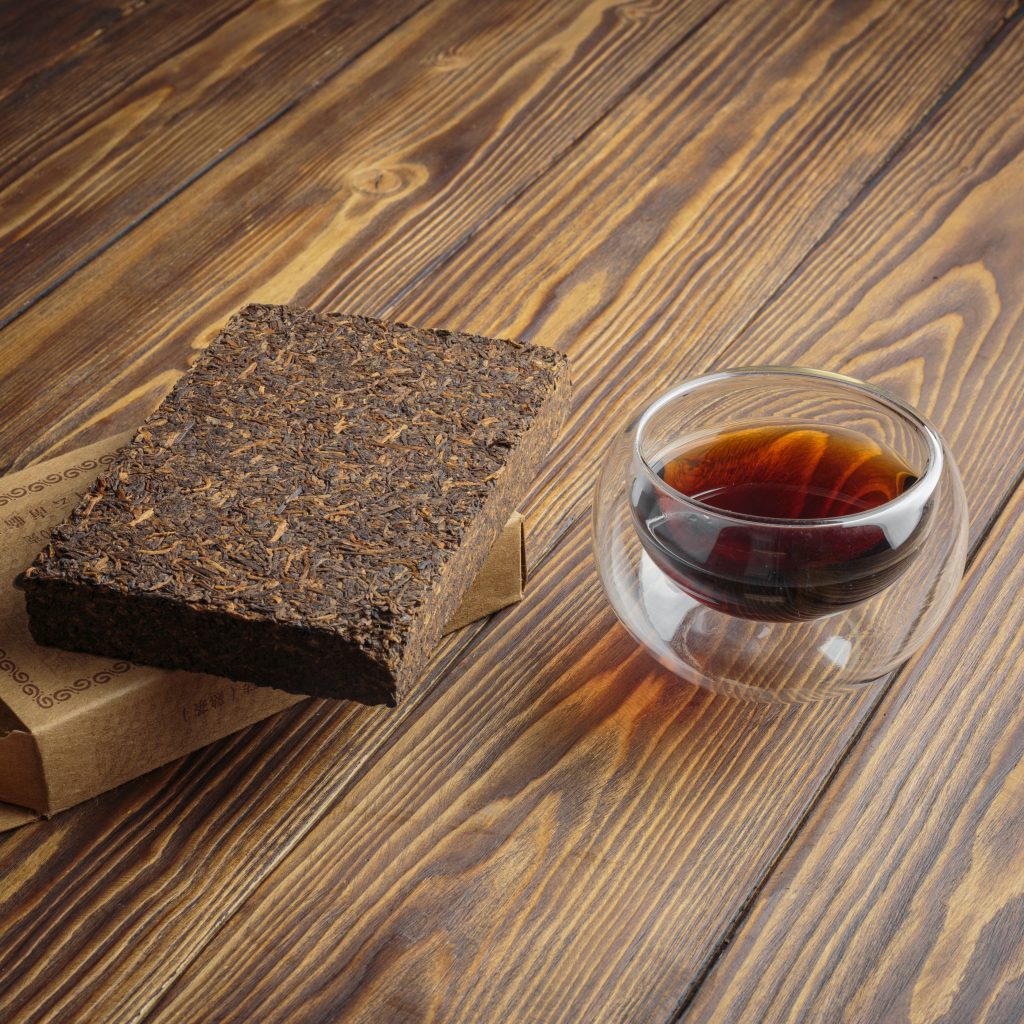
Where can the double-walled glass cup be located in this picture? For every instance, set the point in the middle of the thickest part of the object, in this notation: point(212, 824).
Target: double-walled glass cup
point(770, 608)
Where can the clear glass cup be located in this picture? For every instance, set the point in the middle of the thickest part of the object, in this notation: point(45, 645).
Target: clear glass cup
point(767, 608)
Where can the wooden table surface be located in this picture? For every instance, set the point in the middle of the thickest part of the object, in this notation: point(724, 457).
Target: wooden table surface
point(553, 828)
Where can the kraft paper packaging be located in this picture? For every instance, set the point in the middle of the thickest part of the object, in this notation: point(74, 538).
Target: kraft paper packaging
point(74, 725)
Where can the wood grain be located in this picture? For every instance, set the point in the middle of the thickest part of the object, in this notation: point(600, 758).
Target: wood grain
point(919, 289)
point(188, 842)
point(145, 943)
point(650, 271)
point(460, 109)
point(902, 898)
point(81, 172)
point(110, 979)
point(59, 60)
point(181, 849)
point(564, 832)
point(364, 251)
point(561, 834)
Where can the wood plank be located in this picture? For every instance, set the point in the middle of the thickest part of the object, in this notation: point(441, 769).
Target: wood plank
point(652, 279)
point(902, 897)
point(564, 831)
point(114, 897)
point(96, 971)
point(44, 46)
point(387, 167)
point(561, 834)
point(150, 865)
point(919, 290)
point(78, 172)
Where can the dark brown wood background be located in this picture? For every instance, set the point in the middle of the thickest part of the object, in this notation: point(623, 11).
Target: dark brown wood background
point(553, 828)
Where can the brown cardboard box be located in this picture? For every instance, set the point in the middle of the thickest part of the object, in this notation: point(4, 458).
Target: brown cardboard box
point(74, 725)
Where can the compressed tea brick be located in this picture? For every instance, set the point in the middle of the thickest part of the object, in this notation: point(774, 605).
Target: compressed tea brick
point(307, 506)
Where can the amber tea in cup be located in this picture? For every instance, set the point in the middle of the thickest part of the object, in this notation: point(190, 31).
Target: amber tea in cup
point(779, 533)
point(764, 548)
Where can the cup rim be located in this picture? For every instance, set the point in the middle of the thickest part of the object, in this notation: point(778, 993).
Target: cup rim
point(917, 494)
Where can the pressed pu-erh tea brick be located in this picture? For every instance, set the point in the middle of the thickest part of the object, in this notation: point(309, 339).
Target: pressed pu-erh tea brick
point(307, 506)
